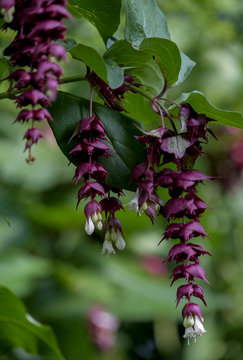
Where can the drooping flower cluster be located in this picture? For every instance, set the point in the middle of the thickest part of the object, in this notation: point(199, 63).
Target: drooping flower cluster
point(38, 24)
point(89, 145)
point(164, 146)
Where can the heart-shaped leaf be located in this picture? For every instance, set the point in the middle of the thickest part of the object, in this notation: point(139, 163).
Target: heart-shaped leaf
point(136, 63)
point(120, 131)
point(167, 56)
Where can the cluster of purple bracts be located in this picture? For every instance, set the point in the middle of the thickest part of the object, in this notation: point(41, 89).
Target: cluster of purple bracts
point(89, 145)
point(38, 24)
point(163, 146)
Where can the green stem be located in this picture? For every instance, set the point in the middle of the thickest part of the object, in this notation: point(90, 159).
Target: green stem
point(140, 91)
point(6, 95)
point(73, 78)
point(66, 80)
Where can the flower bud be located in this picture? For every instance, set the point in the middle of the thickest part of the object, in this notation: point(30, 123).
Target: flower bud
point(89, 226)
point(188, 321)
point(144, 207)
point(113, 234)
point(94, 217)
point(99, 225)
point(120, 242)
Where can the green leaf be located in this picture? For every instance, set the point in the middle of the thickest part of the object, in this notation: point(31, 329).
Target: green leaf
point(103, 14)
point(138, 107)
point(120, 131)
point(2, 22)
point(144, 20)
point(115, 74)
point(149, 76)
point(4, 68)
point(91, 58)
point(201, 105)
point(125, 55)
point(19, 330)
point(186, 67)
point(166, 54)
point(106, 69)
point(137, 63)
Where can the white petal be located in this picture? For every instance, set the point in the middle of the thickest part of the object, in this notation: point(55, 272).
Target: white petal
point(89, 226)
point(196, 330)
point(107, 247)
point(198, 327)
point(189, 334)
point(120, 242)
point(133, 204)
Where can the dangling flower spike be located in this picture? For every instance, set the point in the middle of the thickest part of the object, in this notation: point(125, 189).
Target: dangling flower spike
point(89, 142)
point(163, 146)
point(38, 24)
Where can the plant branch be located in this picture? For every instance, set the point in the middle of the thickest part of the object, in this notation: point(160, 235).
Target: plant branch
point(140, 91)
point(66, 80)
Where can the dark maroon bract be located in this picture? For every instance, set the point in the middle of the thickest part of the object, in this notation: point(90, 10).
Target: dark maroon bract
point(162, 146)
point(38, 24)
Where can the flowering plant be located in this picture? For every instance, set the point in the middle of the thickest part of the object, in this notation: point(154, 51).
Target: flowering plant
point(104, 136)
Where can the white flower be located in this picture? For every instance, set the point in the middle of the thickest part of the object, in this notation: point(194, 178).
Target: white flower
point(107, 247)
point(196, 330)
point(198, 327)
point(133, 204)
point(89, 226)
point(120, 242)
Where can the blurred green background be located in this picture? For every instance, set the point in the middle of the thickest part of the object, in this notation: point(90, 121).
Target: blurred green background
point(58, 271)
